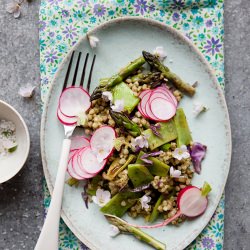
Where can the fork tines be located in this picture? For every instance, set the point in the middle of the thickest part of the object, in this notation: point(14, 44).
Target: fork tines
point(78, 62)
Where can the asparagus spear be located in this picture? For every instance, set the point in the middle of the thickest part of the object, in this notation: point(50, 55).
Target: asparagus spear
point(131, 67)
point(151, 77)
point(176, 80)
point(117, 78)
point(124, 122)
point(124, 227)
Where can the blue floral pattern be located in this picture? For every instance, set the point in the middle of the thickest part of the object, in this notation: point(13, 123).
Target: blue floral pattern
point(61, 24)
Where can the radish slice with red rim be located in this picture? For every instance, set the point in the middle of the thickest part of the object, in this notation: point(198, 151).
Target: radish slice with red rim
point(167, 92)
point(142, 111)
point(71, 153)
point(143, 93)
point(89, 162)
point(155, 96)
point(73, 101)
point(70, 121)
point(70, 169)
point(77, 167)
point(143, 103)
point(102, 142)
point(78, 142)
point(148, 110)
point(72, 172)
point(144, 107)
point(160, 94)
point(162, 109)
point(195, 208)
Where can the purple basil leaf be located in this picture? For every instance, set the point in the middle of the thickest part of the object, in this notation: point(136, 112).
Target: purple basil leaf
point(154, 129)
point(137, 149)
point(151, 154)
point(157, 126)
point(197, 153)
point(147, 161)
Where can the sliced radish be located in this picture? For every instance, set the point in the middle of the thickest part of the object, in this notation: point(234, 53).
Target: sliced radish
point(198, 204)
point(140, 110)
point(78, 142)
point(191, 203)
point(88, 161)
point(144, 92)
point(143, 103)
point(166, 90)
point(162, 109)
point(148, 111)
point(157, 105)
point(66, 120)
point(159, 94)
point(72, 172)
point(73, 101)
point(71, 153)
point(78, 169)
point(102, 142)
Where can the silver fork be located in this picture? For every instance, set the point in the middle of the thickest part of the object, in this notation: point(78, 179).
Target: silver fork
point(48, 239)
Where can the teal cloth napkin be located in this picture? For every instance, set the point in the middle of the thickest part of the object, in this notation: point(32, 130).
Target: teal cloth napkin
point(62, 22)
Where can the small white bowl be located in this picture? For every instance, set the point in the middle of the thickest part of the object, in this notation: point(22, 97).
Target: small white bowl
point(11, 165)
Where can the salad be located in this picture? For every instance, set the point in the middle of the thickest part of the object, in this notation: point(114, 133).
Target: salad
point(137, 155)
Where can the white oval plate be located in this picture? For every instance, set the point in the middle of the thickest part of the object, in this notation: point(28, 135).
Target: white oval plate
point(122, 40)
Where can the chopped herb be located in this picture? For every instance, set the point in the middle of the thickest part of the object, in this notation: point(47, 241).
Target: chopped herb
point(13, 149)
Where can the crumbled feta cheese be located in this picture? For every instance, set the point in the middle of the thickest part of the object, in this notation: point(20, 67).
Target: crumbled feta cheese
point(7, 137)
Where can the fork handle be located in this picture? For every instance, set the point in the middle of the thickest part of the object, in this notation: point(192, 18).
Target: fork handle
point(49, 235)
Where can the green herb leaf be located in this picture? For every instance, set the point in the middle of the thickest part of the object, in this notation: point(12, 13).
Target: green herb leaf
point(13, 149)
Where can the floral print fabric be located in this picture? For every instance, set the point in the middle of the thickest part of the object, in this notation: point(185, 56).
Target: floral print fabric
point(63, 22)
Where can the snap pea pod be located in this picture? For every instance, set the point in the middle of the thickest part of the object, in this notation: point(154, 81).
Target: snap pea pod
point(184, 136)
point(120, 203)
point(139, 174)
point(155, 213)
point(122, 91)
point(158, 167)
point(165, 147)
point(167, 131)
point(124, 227)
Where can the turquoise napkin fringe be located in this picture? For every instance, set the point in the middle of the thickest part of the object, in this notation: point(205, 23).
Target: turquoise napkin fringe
point(62, 22)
